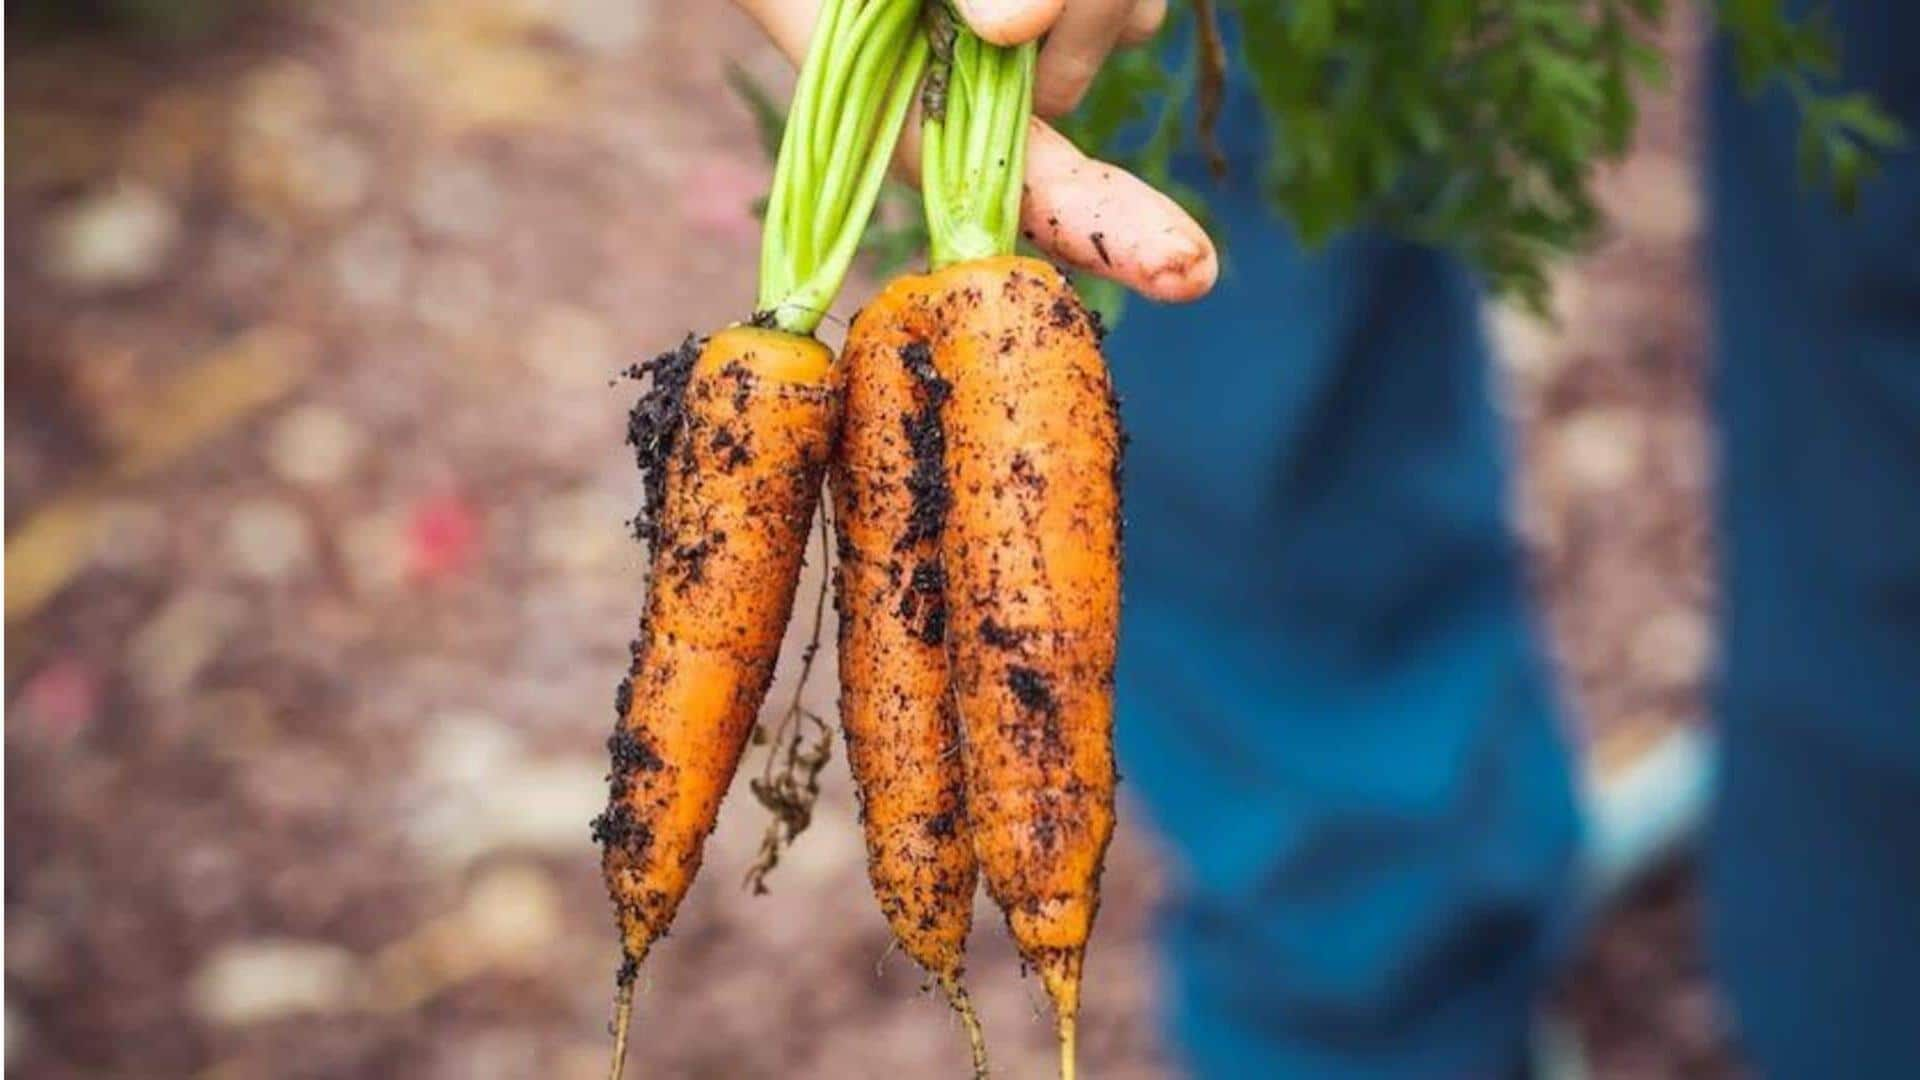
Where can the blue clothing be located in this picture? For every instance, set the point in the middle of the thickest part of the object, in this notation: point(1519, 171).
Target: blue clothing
point(1333, 698)
point(1333, 701)
point(1813, 859)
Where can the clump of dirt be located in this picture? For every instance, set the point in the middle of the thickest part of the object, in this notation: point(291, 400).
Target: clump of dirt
point(928, 483)
point(618, 829)
point(925, 599)
point(1032, 689)
point(654, 425)
point(999, 637)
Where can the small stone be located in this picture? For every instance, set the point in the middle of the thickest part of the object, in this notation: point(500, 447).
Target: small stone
point(170, 651)
point(330, 175)
point(1600, 448)
point(314, 446)
point(482, 795)
point(542, 806)
point(456, 199)
point(455, 295)
point(581, 532)
point(490, 1055)
point(1673, 648)
point(131, 535)
point(118, 238)
point(1659, 201)
point(462, 749)
point(282, 100)
point(513, 912)
point(604, 27)
point(268, 539)
point(567, 346)
point(371, 264)
point(254, 981)
point(1526, 347)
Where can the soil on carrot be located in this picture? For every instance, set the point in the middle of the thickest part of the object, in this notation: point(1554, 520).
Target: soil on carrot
point(654, 425)
point(928, 440)
point(1032, 689)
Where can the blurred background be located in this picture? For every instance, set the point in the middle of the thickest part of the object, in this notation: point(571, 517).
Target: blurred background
point(318, 585)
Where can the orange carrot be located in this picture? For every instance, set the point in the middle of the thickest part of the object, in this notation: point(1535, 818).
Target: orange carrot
point(739, 449)
point(903, 738)
point(734, 438)
point(1032, 554)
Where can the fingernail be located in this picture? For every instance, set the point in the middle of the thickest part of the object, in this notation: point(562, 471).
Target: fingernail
point(1010, 22)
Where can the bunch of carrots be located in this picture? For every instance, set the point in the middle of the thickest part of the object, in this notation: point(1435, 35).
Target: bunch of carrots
point(971, 441)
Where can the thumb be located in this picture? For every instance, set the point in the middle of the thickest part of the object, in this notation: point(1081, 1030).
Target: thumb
point(1010, 22)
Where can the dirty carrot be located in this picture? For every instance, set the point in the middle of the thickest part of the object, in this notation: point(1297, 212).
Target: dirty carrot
point(733, 437)
point(903, 740)
point(1031, 544)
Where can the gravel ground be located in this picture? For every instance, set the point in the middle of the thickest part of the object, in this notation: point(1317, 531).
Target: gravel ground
point(318, 584)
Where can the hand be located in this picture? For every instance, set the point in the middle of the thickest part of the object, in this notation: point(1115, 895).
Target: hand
point(1079, 33)
point(1088, 213)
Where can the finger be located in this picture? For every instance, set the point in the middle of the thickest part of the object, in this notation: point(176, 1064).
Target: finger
point(1105, 220)
point(1010, 22)
point(1076, 47)
point(1144, 23)
point(1145, 241)
point(787, 25)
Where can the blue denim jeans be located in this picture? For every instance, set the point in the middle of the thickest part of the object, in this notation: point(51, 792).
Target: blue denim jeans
point(1333, 700)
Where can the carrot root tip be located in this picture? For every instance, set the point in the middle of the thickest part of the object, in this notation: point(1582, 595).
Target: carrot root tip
point(622, 1025)
point(962, 1003)
point(1067, 1047)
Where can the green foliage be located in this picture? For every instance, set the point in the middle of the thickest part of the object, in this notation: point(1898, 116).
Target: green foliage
point(1470, 124)
point(1842, 135)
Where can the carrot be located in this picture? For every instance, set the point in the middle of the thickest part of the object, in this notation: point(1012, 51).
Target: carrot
point(1032, 551)
point(734, 436)
point(1031, 548)
point(903, 738)
point(739, 459)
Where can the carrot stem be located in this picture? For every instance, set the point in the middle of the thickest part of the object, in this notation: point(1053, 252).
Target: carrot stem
point(849, 106)
point(974, 148)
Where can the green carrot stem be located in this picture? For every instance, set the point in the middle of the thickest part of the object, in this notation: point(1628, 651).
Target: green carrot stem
point(849, 106)
point(974, 147)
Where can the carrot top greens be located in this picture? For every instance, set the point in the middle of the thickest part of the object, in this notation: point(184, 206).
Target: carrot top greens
point(855, 88)
point(973, 150)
